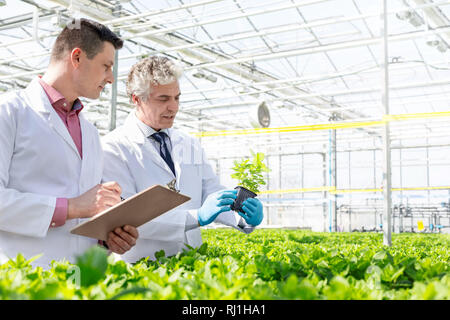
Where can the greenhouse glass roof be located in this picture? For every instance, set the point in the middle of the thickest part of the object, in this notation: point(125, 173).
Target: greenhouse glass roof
point(310, 62)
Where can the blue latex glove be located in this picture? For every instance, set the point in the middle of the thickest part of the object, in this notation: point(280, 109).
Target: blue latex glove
point(215, 204)
point(253, 211)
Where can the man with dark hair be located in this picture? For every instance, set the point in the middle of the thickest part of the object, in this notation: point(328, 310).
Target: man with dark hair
point(51, 160)
point(90, 40)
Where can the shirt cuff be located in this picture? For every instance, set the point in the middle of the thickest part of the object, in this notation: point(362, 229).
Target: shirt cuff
point(192, 220)
point(103, 244)
point(60, 213)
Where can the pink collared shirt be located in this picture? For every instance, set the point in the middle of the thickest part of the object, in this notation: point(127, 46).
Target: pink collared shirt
point(69, 116)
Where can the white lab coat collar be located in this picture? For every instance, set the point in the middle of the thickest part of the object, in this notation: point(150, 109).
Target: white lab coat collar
point(38, 100)
point(38, 97)
point(147, 130)
point(176, 139)
point(133, 131)
point(136, 135)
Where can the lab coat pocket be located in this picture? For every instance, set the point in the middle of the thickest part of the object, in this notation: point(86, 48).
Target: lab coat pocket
point(194, 238)
point(167, 227)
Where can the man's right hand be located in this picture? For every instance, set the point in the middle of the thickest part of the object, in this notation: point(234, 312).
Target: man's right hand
point(95, 200)
point(215, 204)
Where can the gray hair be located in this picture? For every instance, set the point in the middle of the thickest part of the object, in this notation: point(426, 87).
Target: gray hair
point(155, 70)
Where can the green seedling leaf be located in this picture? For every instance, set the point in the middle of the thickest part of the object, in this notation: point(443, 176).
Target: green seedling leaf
point(160, 254)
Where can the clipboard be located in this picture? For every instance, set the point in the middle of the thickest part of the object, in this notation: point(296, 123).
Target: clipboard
point(134, 211)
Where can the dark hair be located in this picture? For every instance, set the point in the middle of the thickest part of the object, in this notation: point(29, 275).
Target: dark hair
point(85, 34)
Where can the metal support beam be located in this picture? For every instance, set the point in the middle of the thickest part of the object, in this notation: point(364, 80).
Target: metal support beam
point(324, 194)
point(387, 201)
point(332, 203)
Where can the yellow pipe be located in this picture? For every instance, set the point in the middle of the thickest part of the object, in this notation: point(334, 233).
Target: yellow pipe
point(317, 189)
point(325, 126)
point(332, 190)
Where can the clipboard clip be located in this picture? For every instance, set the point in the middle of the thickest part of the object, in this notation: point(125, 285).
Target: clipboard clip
point(171, 186)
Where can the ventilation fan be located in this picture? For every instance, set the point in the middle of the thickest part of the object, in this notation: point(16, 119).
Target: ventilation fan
point(263, 115)
point(259, 116)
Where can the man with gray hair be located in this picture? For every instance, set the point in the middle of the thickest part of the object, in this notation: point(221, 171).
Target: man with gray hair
point(146, 151)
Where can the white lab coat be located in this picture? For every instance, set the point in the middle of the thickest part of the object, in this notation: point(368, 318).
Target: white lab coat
point(132, 160)
point(39, 162)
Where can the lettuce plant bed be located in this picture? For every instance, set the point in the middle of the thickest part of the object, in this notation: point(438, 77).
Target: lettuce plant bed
point(266, 264)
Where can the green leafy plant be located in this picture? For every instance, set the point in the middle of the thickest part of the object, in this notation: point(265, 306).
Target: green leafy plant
point(249, 173)
point(266, 264)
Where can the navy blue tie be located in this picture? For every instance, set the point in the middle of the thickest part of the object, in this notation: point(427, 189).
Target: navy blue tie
point(163, 149)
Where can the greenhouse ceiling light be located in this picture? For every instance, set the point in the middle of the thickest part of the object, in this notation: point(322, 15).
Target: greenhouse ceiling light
point(211, 78)
point(438, 44)
point(199, 74)
point(410, 16)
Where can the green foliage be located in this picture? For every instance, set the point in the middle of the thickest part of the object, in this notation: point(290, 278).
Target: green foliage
point(250, 173)
point(266, 264)
point(92, 264)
